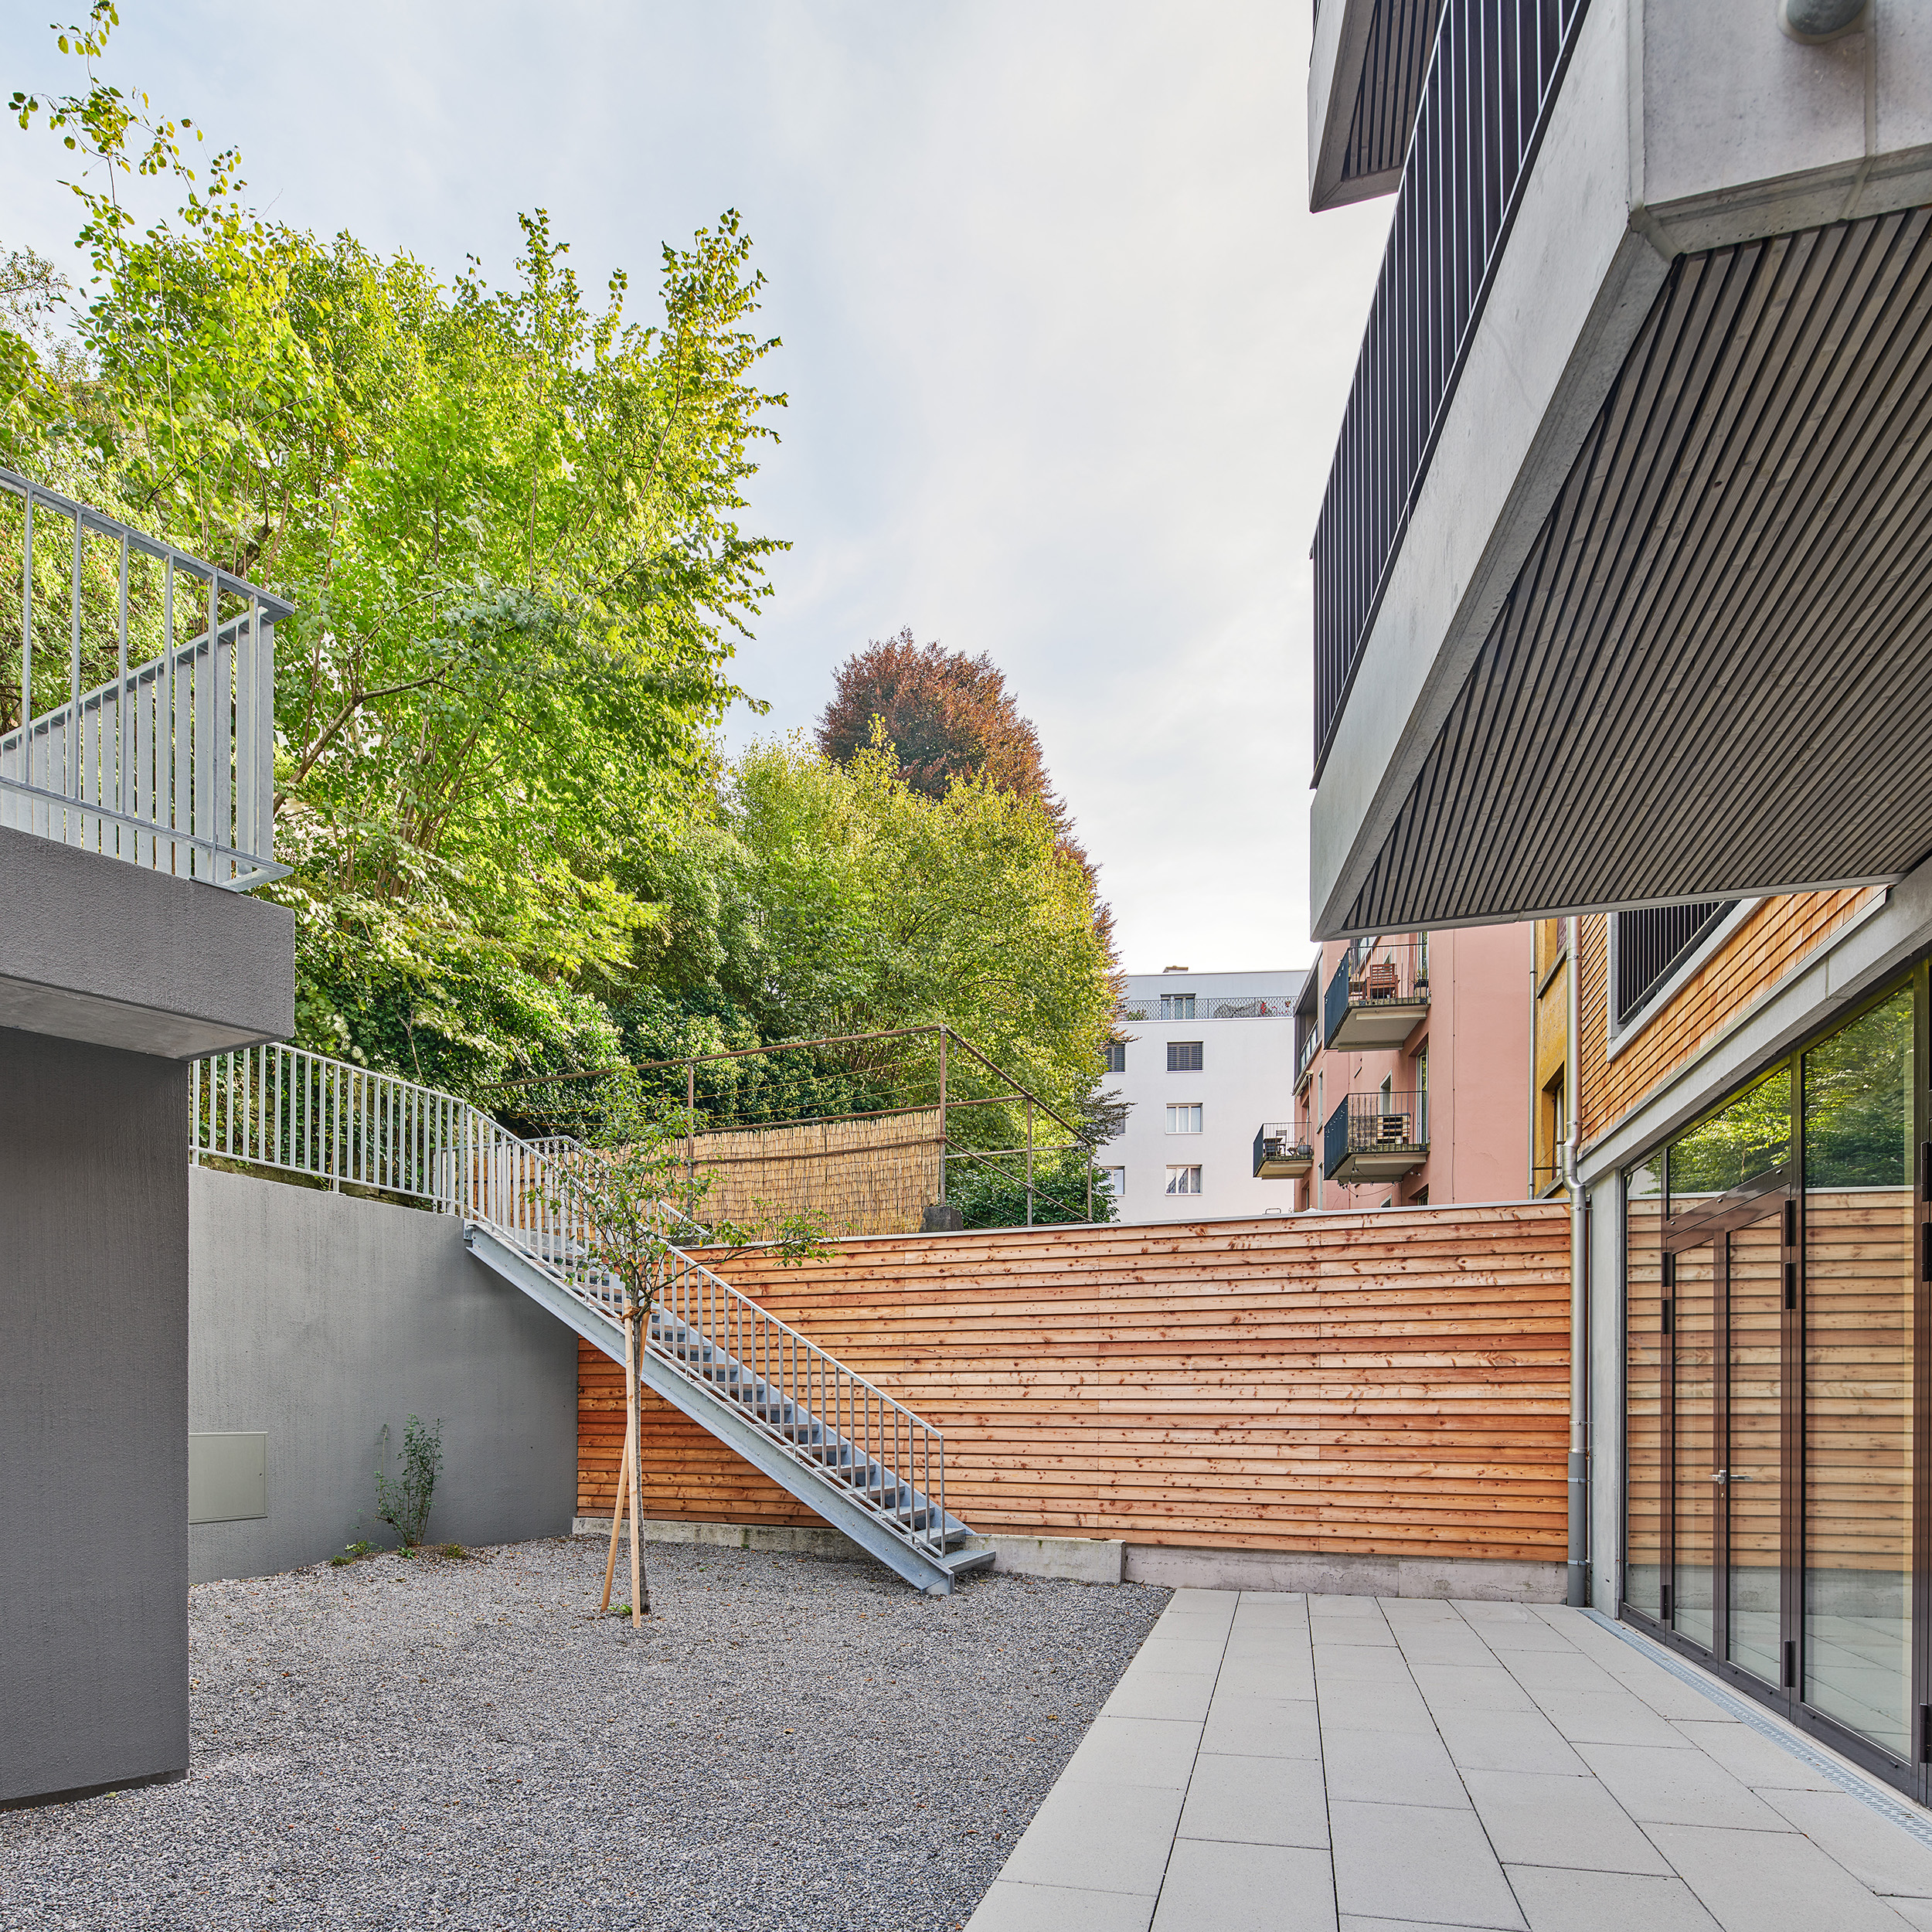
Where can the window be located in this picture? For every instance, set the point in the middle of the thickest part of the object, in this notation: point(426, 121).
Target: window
point(1184, 1120)
point(1184, 1056)
point(1652, 941)
point(1388, 1095)
point(1115, 1052)
point(1184, 1180)
point(1177, 1006)
point(1115, 1179)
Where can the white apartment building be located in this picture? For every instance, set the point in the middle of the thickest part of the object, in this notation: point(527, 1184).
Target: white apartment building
point(1206, 1059)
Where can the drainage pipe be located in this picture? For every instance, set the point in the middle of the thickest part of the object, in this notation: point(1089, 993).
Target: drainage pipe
point(1578, 1578)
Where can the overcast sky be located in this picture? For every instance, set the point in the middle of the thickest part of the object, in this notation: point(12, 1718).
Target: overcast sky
point(1066, 351)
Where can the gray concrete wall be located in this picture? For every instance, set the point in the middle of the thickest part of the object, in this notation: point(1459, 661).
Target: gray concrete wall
point(316, 1317)
point(93, 948)
point(93, 1415)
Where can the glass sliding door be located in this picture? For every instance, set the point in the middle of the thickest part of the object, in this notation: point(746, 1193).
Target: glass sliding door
point(1644, 1344)
point(1860, 1217)
point(1693, 1444)
point(1776, 1258)
point(1752, 1480)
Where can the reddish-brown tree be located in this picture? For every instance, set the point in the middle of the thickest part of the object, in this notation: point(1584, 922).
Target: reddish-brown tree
point(946, 716)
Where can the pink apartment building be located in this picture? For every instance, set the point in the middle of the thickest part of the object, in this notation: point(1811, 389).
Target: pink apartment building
point(1413, 1072)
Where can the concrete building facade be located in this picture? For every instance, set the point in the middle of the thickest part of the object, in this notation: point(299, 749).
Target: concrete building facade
point(1204, 1058)
point(1623, 615)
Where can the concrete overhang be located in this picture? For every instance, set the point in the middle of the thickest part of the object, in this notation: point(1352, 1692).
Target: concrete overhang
point(1661, 622)
point(1365, 75)
point(93, 948)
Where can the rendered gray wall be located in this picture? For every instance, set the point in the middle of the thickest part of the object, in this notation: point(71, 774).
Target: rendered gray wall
point(318, 1318)
point(93, 1415)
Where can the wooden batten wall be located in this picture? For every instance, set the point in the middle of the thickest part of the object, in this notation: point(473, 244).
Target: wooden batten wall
point(1392, 1383)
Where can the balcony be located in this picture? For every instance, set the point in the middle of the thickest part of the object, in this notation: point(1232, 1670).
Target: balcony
point(1279, 1156)
point(1376, 1136)
point(1307, 1044)
point(1616, 509)
point(1379, 995)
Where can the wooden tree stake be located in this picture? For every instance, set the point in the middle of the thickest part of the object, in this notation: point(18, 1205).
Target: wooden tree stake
point(617, 1522)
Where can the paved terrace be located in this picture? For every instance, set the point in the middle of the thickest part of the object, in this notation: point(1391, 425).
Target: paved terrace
point(1357, 1764)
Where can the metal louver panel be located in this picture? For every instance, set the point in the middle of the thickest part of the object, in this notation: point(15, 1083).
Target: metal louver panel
point(1713, 677)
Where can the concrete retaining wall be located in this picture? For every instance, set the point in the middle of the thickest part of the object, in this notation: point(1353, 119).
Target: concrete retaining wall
point(318, 1318)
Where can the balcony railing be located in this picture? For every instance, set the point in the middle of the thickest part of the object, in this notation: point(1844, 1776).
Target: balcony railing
point(137, 716)
point(1309, 1044)
point(1496, 68)
point(1192, 1006)
point(1377, 996)
point(1376, 1136)
point(1280, 1154)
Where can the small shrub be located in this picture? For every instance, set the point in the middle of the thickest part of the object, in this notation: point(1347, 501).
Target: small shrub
point(455, 1552)
point(353, 1553)
point(404, 1501)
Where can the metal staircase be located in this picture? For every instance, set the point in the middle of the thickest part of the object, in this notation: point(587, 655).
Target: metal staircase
point(866, 1464)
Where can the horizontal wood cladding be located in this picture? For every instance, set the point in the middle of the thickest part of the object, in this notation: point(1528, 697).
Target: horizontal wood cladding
point(1776, 936)
point(1374, 1384)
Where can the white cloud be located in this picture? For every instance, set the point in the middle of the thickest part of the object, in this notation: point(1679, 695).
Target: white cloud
point(1066, 351)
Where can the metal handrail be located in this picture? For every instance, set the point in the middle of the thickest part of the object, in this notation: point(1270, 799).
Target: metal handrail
point(1208, 1006)
point(170, 766)
point(285, 1108)
point(1496, 68)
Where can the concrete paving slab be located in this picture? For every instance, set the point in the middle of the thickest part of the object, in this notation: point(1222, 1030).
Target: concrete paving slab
point(1750, 1757)
point(1768, 1882)
point(1011, 1907)
point(1390, 1767)
point(1383, 1662)
point(1159, 1751)
point(1187, 1654)
point(1359, 1704)
point(1475, 1687)
point(1098, 1838)
point(1543, 1817)
point(1869, 1845)
point(1555, 1900)
point(1546, 1670)
point(1678, 1786)
point(1246, 1888)
point(1607, 1717)
point(1450, 1643)
point(1160, 1694)
point(1409, 1862)
point(1486, 1741)
point(1263, 1727)
point(1257, 1801)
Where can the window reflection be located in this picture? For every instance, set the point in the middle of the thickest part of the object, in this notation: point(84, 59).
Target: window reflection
point(1857, 1374)
point(1644, 1381)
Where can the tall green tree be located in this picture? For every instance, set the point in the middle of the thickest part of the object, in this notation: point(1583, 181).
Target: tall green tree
point(508, 520)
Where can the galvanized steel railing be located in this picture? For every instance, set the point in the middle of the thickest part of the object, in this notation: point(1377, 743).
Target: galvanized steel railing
point(300, 1113)
point(170, 763)
point(1496, 68)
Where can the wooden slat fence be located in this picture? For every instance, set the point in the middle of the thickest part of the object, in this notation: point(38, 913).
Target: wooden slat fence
point(1392, 1383)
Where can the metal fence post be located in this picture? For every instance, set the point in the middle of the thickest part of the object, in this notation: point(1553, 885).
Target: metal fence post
point(1029, 1160)
point(945, 1140)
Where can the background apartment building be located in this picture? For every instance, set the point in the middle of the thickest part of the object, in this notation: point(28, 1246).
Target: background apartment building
point(1412, 1079)
point(1205, 1058)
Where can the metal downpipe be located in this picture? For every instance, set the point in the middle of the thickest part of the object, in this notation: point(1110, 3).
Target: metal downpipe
point(1576, 1591)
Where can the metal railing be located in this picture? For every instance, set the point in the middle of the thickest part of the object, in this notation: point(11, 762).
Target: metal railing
point(296, 1112)
point(1375, 1124)
point(1496, 67)
point(1649, 942)
point(1377, 973)
point(1192, 1006)
point(1310, 1034)
point(163, 752)
point(302, 1113)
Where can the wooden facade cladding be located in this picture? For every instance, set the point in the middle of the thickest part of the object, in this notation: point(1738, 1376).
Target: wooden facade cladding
point(1392, 1383)
point(1776, 936)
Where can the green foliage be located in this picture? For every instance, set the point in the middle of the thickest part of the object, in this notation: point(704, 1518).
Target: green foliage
point(882, 907)
point(353, 1553)
point(992, 1193)
point(508, 519)
point(403, 1500)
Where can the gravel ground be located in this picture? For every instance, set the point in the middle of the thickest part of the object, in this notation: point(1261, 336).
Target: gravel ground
point(788, 1742)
